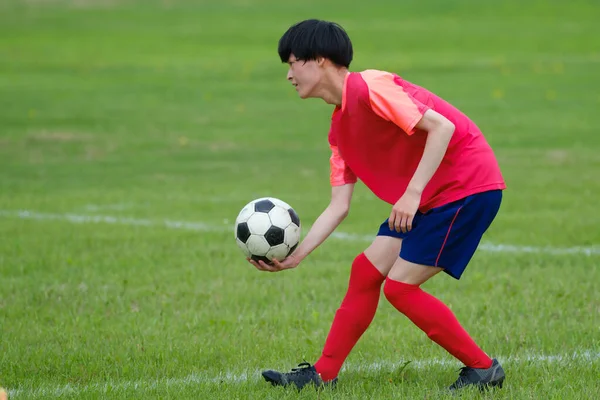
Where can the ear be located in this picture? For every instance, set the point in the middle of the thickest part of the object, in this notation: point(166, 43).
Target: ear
point(321, 61)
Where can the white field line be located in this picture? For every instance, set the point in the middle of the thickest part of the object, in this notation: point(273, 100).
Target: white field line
point(108, 207)
point(115, 387)
point(205, 227)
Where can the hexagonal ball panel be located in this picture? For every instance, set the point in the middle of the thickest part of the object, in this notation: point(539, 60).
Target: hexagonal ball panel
point(257, 245)
point(259, 223)
point(280, 217)
point(278, 252)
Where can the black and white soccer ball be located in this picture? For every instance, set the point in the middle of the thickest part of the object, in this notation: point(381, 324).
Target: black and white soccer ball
point(267, 228)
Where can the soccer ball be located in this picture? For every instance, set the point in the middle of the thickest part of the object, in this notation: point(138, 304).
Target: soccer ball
point(267, 228)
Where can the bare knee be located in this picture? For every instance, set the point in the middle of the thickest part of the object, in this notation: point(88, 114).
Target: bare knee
point(383, 252)
point(411, 273)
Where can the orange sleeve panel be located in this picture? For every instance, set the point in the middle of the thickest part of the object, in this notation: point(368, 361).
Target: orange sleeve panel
point(390, 101)
point(340, 173)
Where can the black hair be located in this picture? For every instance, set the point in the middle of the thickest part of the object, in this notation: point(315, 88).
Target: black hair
point(313, 38)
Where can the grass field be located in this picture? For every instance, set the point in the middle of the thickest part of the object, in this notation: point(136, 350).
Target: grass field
point(131, 134)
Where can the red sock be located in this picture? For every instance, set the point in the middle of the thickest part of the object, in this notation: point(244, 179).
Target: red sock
point(435, 319)
point(352, 318)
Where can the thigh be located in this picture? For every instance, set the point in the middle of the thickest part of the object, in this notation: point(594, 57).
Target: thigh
point(383, 252)
point(412, 273)
point(448, 236)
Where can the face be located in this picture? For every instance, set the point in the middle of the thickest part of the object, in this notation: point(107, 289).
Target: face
point(304, 75)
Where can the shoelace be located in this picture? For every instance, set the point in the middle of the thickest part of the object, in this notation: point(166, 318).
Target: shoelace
point(302, 368)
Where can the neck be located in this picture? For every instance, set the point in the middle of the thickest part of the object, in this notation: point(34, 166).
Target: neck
point(333, 86)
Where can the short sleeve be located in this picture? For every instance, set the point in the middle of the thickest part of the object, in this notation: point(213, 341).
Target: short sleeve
point(390, 101)
point(340, 173)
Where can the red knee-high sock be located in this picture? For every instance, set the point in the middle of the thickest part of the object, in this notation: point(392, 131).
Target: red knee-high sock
point(435, 319)
point(352, 318)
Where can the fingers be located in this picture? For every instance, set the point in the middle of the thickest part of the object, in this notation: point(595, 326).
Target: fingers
point(278, 266)
point(400, 221)
point(409, 222)
point(251, 261)
point(406, 224)
point(267, 267)
point(262, 266)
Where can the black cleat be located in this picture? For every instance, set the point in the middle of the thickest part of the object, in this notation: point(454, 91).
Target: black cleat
point(480, 377)
point(303, 375)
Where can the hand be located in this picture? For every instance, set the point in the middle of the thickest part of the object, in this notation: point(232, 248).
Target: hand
point(276, 266)
point(404, 211)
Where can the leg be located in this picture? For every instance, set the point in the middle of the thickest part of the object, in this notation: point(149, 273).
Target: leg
point(383, 252)
point(411, 273)
point(442, 240)
point(353, 317)
point(445, 240)
point(359, 305)
point(402, 289)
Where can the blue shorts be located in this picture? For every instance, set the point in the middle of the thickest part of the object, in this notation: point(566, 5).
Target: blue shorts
point(447, 236)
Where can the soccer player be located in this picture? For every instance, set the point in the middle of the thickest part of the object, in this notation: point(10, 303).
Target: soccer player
point(421, 155)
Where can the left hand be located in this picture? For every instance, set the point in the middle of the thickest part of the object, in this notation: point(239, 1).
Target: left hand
point(404, 211)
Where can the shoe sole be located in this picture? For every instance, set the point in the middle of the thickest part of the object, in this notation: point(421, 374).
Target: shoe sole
point(483, 386)
point(275, 379)
point(490, 385)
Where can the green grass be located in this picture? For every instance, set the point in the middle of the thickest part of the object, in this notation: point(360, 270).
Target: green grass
point(180, 110)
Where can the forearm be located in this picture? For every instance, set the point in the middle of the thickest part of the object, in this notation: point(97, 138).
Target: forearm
point(325, 224)
point(435, 148)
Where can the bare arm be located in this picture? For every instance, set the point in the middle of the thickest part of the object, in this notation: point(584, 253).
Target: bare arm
point(439, 132)
point(330, 218)
point(326, 223)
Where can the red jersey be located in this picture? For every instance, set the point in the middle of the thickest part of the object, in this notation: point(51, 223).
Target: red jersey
point(373, 138)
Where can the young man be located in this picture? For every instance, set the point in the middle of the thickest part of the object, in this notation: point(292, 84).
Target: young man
point(420, 154)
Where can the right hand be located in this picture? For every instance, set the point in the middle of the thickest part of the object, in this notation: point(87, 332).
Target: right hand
point(288, 263)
